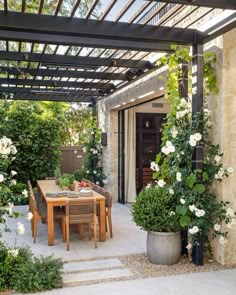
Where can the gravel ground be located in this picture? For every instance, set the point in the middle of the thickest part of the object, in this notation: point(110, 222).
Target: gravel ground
point(142, 268)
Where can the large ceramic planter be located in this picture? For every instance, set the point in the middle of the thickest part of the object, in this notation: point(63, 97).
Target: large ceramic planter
point(163, 248)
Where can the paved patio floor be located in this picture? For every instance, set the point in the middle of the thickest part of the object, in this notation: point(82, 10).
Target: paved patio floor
point(127, 238)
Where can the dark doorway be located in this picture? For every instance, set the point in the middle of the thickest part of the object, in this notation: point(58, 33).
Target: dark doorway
point(148, 144)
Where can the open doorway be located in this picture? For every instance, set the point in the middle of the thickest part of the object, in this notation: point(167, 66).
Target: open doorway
point(148, 144)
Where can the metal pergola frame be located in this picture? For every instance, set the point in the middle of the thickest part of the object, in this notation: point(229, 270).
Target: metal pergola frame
point(116, 51)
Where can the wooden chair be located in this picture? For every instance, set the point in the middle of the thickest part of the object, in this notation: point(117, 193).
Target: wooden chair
point(80, 211)
point(39, 211)
point(108, 204)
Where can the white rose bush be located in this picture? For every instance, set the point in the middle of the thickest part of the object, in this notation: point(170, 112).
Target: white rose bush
point(7, 155)
point(198, 209)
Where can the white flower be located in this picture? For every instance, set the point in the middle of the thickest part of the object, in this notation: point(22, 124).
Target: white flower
point(20, 228)
point(182, 153)
point(223, 240)
point(197, 136)
point(75, 151)
point(87, 172)
point(94, 172)
point(230, 170)
point(192, 208)
point(178, 176)
point(148, 185)
point(172, 213)
point(230, 212)
point(217, 227)
point(171, 149)
point(168, 148)
point(221, 172)
point(25, 193)
point(13, 173)
point(84, 149)
point(199, 213)
point(217, 158)
point(9, 208)
point(171, 191)
point(231, 223)
point(174, 132)
point(161, 183)
point(29, 216)
point(216, 176)
point(165, 150)
point(95, 152)
point(1, 178)
point(13, 182)
point(154, 166)
point(104, 181)
point(193, 230)
point(192, 142)
point(97, 182)
point(182, 201)
point(13, 252)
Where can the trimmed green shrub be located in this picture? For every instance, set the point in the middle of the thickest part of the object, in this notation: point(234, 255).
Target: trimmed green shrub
point(40, 274)
point(19, 198)
point(11, 260)
point(79, 174)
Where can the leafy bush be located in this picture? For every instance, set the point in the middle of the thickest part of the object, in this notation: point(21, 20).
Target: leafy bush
point(19, 198)
point(11, 260)
point(40, 274)
point(37, 130)
point(79, 174)
point(66, 180)
point(154, 210)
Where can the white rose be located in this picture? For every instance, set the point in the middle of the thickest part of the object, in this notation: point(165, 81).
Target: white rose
point(216, 176)
point(223, 240)
point(13, 182)
point(1, 178)
point(197, 136)
point(192, 208)
point(87, 172)
point(192, 142)
point(172, 149)
point(20, 228)
point(199, 213)
point(97, 182)
point(178, 176)
point(182, 201)
point(13, 252)
point(193, 230)
point(168, 143)
point(84, 149)
point(25, 193)
point(161, 183)
point(230, 170)
point(171, 191)
point(13, 172)
point(217, 158)
point(217, 227)
point(154, 166)
point(172, 213)
point(29, 216)
point(230, 212)
point(182, 153)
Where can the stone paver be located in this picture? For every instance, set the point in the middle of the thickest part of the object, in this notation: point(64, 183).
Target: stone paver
point(92, 265)
point(96, 275)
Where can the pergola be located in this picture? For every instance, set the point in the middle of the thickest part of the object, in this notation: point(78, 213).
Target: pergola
point(54, 51)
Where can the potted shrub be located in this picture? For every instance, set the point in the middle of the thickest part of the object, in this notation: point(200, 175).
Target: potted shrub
point(154, 212)
point(64, 183)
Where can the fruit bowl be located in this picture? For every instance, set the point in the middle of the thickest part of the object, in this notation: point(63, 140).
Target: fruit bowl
point(83, 185)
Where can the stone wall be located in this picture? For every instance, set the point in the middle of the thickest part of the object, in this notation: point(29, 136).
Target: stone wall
point(223, 107)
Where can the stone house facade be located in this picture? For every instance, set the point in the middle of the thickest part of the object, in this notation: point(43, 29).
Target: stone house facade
point(139, 96)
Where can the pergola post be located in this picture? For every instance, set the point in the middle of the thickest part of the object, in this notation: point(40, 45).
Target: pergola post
point(94, 114)
point(183, 93)
point(197, 106)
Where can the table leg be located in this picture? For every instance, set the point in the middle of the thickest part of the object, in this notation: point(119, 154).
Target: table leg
point(102, 228)
point(50, 224)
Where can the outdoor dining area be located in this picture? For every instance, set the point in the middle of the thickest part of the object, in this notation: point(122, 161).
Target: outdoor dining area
point(50, 203)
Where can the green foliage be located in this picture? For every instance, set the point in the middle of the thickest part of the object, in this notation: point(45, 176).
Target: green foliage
point(19, 198)
point(40, 274)
point(197, 208)
point(79, 174)
point(37, 130)
point(66, 180)
point(10, 264)
point(154, 210)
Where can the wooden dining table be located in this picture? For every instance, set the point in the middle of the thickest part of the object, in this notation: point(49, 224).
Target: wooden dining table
point(50, 186)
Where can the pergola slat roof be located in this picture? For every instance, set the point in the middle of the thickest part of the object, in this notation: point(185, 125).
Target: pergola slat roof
point(63, 52)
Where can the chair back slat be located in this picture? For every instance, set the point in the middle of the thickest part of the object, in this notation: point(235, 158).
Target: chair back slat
point(81, 210)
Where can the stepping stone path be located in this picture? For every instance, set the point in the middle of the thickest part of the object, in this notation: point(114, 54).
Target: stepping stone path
point(94, 271)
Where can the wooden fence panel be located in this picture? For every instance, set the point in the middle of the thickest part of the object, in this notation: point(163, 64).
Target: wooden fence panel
point(71, 160)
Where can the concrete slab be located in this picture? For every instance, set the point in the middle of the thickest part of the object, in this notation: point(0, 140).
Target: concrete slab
point(96, 275)
point(91, 265)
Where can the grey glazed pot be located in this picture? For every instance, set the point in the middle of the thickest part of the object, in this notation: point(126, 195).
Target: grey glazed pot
point(163, 248)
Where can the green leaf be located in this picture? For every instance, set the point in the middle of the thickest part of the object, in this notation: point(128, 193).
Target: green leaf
point(158, 158)
point(181, 210)
point(190, 180)
point(199, 188)
point(184, 221)
point(205, 176)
